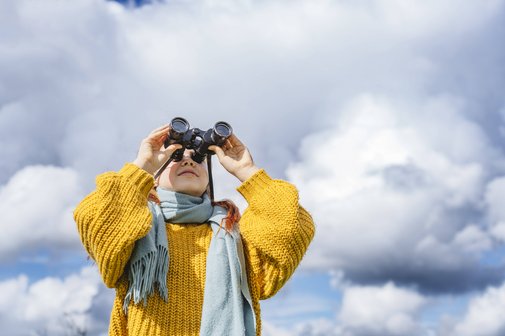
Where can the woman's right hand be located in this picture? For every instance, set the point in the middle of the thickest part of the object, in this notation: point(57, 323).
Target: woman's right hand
point(152, 155)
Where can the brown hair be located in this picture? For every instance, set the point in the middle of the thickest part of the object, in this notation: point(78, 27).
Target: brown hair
point(232, 217)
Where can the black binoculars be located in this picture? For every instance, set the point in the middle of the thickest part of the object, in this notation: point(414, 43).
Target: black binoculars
point(196, 139)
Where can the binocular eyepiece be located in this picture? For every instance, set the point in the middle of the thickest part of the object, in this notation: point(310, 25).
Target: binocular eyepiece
point(196, 139)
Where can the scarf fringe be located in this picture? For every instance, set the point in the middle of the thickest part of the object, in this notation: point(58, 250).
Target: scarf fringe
point(152, 266)
point(160, 274)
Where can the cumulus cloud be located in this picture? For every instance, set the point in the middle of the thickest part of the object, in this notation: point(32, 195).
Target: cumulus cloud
point(484, 316)
point(395, 198)
point(50, 56)
point(495, 194)
point(36, 206)
point(51, 305)
point(385, 310)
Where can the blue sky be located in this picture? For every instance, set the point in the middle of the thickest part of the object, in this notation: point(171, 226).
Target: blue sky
point(388, 116)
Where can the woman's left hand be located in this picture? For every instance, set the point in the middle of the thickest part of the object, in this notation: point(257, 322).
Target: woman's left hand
point(235, 158)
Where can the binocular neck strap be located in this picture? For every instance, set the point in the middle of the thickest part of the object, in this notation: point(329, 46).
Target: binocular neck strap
point(162, 168)
point(209, 170)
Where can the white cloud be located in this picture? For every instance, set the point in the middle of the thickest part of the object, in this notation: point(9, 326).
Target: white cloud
point(51, 304)
point(425, 18)
point(473, 239)
point(495, 194)
point(484, 316)
point(386, 310)
point(393, 198)
point(36, 209)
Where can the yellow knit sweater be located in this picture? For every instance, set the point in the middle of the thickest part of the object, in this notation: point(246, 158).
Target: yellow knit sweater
point(276, 232)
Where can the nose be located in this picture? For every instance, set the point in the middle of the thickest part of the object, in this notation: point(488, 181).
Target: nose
point(186, 158)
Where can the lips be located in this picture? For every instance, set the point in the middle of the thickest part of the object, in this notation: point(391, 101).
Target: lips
point(188, 171)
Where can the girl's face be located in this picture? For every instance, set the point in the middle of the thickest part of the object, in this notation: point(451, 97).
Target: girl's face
point(185, 176)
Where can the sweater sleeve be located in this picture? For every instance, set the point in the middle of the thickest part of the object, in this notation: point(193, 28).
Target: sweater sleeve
point(275, 229)
point(111, 218)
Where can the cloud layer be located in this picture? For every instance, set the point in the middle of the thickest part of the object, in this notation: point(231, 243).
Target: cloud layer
point(387, 116)
point(36, 206)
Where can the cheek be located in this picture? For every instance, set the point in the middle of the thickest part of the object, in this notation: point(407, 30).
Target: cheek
point(204, 176)
point(169, 176)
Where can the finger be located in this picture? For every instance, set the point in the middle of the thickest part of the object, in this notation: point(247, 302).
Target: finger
point(219, 152)
point(161, 130)
point(234, 140)
point(170, 149)
point(158, 134)
point(166, 126)
point(227, 144)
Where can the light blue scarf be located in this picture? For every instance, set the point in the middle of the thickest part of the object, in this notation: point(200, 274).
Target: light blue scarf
point(227, 304)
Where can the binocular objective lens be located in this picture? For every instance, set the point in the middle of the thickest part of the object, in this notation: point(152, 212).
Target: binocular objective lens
point(179, 125)
point(223, 129)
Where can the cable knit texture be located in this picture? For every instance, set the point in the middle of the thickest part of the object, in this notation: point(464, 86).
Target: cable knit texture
point(276, 232)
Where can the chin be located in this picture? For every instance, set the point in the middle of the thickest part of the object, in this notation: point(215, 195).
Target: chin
point(188, 191)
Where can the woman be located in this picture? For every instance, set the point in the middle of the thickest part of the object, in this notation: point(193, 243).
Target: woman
point(205, 272)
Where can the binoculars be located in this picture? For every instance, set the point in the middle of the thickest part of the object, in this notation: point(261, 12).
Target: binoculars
point(196, 139)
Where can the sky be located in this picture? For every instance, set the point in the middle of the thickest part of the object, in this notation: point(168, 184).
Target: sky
point(388, 116)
